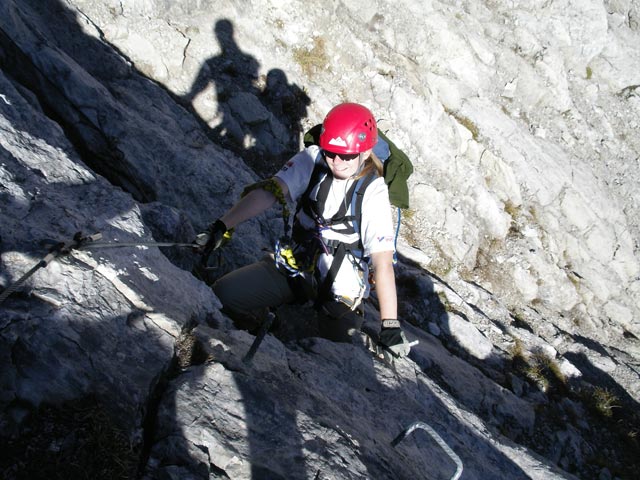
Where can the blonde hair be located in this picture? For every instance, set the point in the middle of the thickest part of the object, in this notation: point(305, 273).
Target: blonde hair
point(371, 164)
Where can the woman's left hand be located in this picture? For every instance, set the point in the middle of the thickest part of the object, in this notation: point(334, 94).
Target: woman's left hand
point(392, 339)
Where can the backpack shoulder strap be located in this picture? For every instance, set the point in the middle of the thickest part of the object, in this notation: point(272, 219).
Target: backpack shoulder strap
point(305, 203)
point(312, 136)
point(357, 201)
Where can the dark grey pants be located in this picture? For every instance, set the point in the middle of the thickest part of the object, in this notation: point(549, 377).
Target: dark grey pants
point(247, 292)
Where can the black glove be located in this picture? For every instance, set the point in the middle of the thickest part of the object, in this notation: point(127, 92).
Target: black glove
point(211, 239)
point(392, 338)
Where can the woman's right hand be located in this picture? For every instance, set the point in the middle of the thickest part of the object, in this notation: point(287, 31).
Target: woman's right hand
point(211, 239)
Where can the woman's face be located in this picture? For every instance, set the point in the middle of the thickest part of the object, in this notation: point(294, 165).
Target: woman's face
point(344, 166)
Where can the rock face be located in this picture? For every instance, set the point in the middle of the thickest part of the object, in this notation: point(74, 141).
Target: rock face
point(518, 272)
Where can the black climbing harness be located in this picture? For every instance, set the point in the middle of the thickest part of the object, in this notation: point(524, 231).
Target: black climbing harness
point(309, 244)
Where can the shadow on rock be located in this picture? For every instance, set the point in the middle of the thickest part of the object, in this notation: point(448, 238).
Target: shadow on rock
point(261, 123)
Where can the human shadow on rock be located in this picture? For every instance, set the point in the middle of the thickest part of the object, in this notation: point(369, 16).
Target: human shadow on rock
point(257, 117)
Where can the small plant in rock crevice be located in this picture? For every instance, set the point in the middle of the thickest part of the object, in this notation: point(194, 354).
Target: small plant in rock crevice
point(313, 59)
point(466, 123)
point(538, 367)
point(189, 351)
point(545, 371)
point(604, 401)
point(408, 213)
point(517, 352)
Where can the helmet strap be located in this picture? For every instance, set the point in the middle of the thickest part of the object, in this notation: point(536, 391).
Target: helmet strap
point(360, 165)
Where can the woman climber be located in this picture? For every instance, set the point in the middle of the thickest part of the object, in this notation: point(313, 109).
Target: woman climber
point(342, 224)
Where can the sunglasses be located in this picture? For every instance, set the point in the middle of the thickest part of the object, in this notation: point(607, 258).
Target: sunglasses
point(346, 157)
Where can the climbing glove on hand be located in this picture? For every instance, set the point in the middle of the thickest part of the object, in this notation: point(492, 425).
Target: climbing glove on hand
point(211, 239)
point(392, 338)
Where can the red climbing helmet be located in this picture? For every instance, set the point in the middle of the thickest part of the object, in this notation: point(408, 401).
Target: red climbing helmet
point(348, 128)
